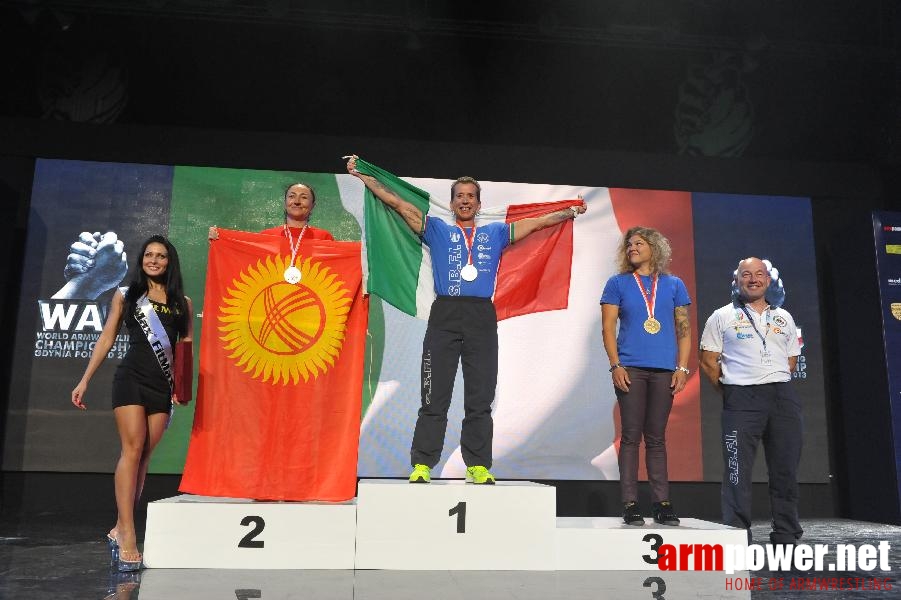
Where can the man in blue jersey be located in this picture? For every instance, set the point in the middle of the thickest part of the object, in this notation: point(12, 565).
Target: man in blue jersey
point(462, 323)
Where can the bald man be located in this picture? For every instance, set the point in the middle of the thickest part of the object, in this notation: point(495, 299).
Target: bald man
point(748, 352)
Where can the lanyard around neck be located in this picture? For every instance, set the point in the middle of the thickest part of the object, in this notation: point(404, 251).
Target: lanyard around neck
point(744, 309)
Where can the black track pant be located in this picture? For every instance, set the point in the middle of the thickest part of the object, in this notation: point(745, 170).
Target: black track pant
point(770, 413)
point(459, 328)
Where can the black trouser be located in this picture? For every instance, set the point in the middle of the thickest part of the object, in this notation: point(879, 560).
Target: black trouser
point(644, 411)
point(459, 327)
point(770, 412)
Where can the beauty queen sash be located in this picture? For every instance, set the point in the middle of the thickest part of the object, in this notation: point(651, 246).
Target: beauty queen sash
point(156, 336)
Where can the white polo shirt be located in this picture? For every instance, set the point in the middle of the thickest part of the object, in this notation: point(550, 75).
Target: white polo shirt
point(744, 360)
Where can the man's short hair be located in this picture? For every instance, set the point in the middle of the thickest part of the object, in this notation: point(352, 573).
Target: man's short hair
point(467, 180)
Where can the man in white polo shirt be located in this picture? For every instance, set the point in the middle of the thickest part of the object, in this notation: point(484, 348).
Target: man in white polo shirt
point(748, 352)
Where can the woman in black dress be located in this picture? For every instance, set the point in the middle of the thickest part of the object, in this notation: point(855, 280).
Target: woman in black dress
point(142, 396)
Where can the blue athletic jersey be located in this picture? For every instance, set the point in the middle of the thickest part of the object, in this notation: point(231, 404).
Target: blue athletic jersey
point(637, 347)
point(449, 255)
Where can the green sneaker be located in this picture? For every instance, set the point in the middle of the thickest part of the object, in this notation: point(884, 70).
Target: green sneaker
point(479, 475)
point(421, 474)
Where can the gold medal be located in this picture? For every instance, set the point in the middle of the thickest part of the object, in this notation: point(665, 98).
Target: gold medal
point(652, 325)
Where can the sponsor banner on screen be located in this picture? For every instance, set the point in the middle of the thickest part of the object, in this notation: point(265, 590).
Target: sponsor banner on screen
point(887, 234)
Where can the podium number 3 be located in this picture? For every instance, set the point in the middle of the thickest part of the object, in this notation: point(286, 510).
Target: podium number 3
point(248, 540)
point(460, 511)
point(655, 547)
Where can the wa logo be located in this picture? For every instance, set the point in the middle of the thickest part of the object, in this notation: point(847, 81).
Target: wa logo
point(70, 316)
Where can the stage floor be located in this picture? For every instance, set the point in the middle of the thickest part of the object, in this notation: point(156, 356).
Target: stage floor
point(60, 557)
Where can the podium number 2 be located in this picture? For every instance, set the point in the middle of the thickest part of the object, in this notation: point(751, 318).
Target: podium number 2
point(460, 511)
point(248, 540)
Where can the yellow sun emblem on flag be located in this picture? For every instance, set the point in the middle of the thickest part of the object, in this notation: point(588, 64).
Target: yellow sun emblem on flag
point(281, 332)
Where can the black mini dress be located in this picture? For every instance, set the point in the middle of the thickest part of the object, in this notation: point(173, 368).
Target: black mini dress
point(139, 379)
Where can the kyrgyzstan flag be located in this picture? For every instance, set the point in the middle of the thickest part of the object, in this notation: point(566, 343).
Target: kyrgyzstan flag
point(533, 275)
point(281, 370)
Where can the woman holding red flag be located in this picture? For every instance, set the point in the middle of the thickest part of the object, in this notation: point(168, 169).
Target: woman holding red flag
point(648, 357)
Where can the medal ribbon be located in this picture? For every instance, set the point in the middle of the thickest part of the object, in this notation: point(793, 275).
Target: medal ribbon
point(294, 247)
point(468, 239)
point(649, 302)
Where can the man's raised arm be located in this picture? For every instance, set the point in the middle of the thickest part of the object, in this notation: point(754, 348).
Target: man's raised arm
point(411, 215)
point(525, 227)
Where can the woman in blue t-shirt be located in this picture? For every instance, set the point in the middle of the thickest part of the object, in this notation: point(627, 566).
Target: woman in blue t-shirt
point(648, 361)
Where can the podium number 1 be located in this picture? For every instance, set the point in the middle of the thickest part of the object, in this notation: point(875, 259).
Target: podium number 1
point(248, 540)
point(460, 511)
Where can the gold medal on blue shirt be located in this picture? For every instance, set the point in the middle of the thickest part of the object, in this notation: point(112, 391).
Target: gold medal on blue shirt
point(652, 325)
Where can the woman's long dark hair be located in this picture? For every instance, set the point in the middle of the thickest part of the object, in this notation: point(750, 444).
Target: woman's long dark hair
point(175, 294)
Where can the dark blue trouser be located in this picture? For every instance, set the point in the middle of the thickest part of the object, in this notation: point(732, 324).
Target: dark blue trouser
point(769, 412)
point(459, 328)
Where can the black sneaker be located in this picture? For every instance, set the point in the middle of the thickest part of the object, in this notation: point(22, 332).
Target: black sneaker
point(664, 513)
point(631, 514)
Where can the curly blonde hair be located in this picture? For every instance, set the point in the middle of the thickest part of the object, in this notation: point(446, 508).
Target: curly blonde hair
point(661, 253)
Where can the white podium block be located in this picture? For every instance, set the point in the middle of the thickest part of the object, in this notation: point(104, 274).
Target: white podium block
point(606, 543)
point(450, 525)
point(201, 532)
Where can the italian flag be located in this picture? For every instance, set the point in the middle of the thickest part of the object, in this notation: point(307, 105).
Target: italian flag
point(533, 275)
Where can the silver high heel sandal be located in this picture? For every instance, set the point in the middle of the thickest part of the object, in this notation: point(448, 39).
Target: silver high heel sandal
point(113, 544)
point(127, 565)
point(130, 565)
point(124, 566)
